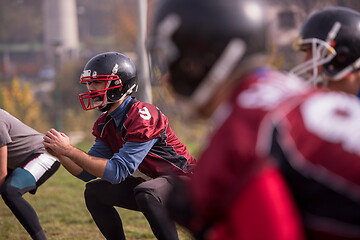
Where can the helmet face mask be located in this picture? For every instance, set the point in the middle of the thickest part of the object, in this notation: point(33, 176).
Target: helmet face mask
point(97, 98)
point(114, 78)
point(321, 53)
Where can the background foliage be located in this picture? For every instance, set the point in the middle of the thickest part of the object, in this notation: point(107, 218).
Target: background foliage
point(109, 26)
point(19, 100)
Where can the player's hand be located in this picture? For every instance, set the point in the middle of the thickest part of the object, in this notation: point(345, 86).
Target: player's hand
point(51, 152)
point(56, 142)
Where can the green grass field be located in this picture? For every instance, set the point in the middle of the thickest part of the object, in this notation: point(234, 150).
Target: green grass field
point(60, 205)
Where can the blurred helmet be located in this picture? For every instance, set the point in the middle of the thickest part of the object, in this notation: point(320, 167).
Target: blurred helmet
point(117, 72)
point(199, 43)
point(333, 36)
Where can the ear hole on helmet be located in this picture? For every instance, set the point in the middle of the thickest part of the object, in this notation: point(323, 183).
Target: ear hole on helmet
point(342, 55)
point(341, 61)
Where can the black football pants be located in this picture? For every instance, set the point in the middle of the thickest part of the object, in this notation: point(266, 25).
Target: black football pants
point(134, 194)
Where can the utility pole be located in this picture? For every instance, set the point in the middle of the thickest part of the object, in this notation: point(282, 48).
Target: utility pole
point(60, 25)
point(58, 87)
point(61, 42)
point(144, 91)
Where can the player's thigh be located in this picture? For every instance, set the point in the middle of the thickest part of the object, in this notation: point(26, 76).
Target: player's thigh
point(121, 194)
point(159, 188)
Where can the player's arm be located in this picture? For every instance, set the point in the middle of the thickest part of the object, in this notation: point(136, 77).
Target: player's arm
point(101, 150)
point(70, 166)
point(3, 164)
point(60, 144)
point(93, 165)
point(127, 160)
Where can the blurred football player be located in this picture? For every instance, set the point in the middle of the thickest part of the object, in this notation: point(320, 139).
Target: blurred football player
point(330, 39)
point(214, 53)
point(130, 135)
point(325, 185)
point(279, 148)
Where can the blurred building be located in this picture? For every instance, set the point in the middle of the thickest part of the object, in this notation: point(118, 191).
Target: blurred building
point(35, 56)
point(61, 35)
point(72, 28)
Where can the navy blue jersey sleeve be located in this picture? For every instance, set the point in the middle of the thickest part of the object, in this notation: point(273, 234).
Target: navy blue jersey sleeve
point(127, 160)
point(85, 176)
point(99, 149)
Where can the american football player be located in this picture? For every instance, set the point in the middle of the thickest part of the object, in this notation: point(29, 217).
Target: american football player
point(321, 170)
point(135, 150)
point(330, 38)
point(214, 55)
point(283, 160)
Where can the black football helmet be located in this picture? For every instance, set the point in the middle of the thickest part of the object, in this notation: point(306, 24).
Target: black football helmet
point(119, 75)
point(200, 42)
point(332, 35)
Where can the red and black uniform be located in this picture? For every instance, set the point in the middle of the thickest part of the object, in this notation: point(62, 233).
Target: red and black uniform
point(236, 189)
point(141, 123)
point(122, 131)
point(309, 187)
point(317, 144)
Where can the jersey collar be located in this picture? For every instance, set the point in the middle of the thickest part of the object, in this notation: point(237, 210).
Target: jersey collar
point(118, 114)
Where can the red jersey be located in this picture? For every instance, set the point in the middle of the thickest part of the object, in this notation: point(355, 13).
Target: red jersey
point(143, 122)
point(313, 136)
point(317, 145)
point(233, 185)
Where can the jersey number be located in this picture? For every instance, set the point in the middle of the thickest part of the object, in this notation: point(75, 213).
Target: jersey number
point(335, 119)
point(144, 113)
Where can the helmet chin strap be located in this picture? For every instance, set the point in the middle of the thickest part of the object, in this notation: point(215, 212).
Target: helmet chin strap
point(346, 71)
point(342, 74)
point(106, 106)
point(128, 92)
